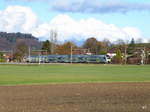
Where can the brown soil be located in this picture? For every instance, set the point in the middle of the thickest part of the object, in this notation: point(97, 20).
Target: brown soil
point(94, 97)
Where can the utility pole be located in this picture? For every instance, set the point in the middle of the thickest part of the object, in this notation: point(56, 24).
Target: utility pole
point(142, 56)
point(39, 55)
point(29, 54)
point(71, 55)
point(125, 54)
point(39, 59)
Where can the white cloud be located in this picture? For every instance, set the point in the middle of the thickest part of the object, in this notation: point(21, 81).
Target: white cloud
point(132, 32)
point(69, 29)
point(17, 19)
point(23, 19)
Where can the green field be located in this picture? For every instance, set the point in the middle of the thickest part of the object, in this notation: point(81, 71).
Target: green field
point(67, 73)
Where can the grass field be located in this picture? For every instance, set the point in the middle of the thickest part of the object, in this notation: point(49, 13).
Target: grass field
point(66, 73)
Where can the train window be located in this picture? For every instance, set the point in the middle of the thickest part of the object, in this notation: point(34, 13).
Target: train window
point(104, 58)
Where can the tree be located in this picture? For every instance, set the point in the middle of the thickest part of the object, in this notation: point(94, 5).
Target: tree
point(21, 50)
point(100, 49)
point(118, 58)
point(104, 46)
point(2, 59)
point(131, 47)
point(92, 45)
point(47, 46)
point(53, 40)
point(65, 48)
point(123, 45)
point(120, 44)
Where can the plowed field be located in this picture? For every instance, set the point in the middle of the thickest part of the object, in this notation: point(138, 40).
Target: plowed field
point(84, 97)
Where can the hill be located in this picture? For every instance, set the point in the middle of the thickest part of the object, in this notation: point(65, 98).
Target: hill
point(9, 40)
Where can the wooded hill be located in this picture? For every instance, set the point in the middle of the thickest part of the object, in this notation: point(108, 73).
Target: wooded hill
point(8, 40)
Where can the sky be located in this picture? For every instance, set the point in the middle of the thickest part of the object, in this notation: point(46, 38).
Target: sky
point(77, 20)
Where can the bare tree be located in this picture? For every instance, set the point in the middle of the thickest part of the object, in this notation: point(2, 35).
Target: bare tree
point(105, 44)
point(123, 45)
point(21, 50)
point(53, 40)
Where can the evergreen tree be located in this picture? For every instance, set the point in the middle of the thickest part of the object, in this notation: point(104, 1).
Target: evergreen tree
point(47, 46)
point(131, 47)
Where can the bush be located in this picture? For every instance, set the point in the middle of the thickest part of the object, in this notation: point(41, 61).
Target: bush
point(2, 59)
point(118, 58)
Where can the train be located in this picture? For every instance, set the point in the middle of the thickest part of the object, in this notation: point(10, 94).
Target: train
point(68, 59)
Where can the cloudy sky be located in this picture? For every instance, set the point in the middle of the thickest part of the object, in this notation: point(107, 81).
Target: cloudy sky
point(77, 19)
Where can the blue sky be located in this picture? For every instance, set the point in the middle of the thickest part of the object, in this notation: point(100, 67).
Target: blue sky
point(132, 14)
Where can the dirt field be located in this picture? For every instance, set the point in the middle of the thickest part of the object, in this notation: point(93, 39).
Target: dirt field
point(95, 97)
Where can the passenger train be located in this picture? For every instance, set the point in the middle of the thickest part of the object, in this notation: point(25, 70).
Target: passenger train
point(69, 59)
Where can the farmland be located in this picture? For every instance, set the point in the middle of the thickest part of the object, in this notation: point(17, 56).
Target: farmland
point(74, 88)
point(80, 97)
point(67, 73)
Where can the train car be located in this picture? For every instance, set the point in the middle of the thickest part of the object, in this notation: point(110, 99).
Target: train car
point(52, 58)
point(69, 59)
point(79, 58)
point(62, 58)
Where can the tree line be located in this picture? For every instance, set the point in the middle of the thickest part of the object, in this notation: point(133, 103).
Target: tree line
point(130, 52)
